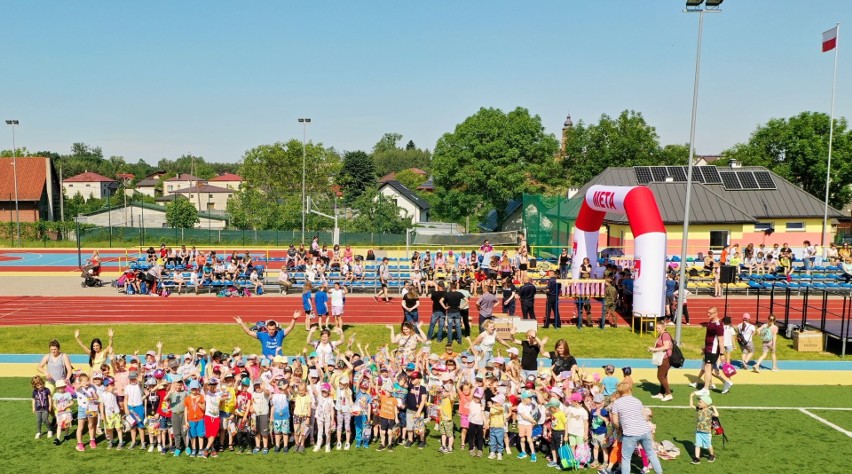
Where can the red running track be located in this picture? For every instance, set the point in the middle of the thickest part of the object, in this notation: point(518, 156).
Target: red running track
point(33, 310)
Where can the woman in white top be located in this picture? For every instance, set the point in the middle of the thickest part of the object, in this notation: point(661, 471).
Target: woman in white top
point(325, 347)
point(485, 343)
point(337, 296)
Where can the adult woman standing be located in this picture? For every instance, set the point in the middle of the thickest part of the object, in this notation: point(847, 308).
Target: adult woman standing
point(769, 335)
point(586, 269)
point(530, 349)
point(97, 353)
point(560, 358)
point(662, 350)
point(54, 366)
point(407, 339)
point(486, 341)
point(410, 304)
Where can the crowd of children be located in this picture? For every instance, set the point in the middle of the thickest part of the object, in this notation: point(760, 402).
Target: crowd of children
point(206, 402)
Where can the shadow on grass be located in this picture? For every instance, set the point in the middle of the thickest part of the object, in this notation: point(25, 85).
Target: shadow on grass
point(688, 446)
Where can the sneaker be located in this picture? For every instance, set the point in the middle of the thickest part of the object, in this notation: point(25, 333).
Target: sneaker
point(338, 446)
point(390, 448)
point(713, 386)
point(381, 447)
point(162, 450)
point(421, 445)
point(667, 398)
point(277, 449)
point(711, 458)
point(213, 453)
point(727, 387)
point(346, 447)
point(49, 434)
point(407, 444)
point(92, 444)
point(490, 456)
point(80, 447)
point(552, 464)
point(499, 457)
point(56, 442)
point(328, 448)
point(109, 444)
point(120, 446)
point(202, 454)
point(703, 391)
point(177, 453)
point(533, 457)
point(472, 452)
point(694, 385)
point(658, 396)
point(317, 448)
point(479, 453)
point(265, 451)
point(151, 448)
point(142, 445)
point(38, 435)
point(191, 453)
point(696, 461)
point(257, 450)
point(508, 451)
point(130, 445)
point(286, 449)
point(522, 455)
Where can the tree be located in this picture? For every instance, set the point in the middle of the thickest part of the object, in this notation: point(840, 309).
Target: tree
point(376, 213)
point(675, 155)
point(410, 179)
point(181, 214)
point(387, 142)
point(194, 165)
point(356, 174)
point(626, 141)
point(388, 157)
point(797, 149)
point(491, 158)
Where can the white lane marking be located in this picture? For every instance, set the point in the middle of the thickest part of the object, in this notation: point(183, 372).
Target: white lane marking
point(823, 420)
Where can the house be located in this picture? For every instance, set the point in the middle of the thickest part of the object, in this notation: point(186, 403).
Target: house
point(227, 180)
point(427, 186)
point(513, 219)
point(38, 189)
point(89, 185)
point(139, 214)
point(740, 204)
point(207, 197)
point(410, 204)
point(148, 186)
point(180, 181)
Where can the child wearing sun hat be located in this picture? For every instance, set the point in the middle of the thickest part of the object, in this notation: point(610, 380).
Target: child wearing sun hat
point(705, 411)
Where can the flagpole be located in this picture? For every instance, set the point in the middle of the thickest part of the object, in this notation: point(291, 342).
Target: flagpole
point(830, 140)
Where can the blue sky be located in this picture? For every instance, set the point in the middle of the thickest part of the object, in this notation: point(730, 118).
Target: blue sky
point(162, 78)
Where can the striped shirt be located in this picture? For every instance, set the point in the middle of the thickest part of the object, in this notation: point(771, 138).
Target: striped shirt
point(631, 416)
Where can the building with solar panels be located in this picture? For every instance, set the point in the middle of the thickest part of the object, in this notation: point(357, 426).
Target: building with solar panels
point(747, 204)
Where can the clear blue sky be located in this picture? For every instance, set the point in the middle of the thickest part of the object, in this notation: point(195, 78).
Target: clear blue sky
point(162, 78)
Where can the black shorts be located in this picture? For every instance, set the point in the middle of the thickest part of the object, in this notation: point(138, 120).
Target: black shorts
point(522, 267)
point(386, 424)
point(711, 359)
point(557, 437)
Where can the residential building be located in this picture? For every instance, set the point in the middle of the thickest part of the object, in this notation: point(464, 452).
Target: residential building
point(179, 181)
point(38, 189)
point(410, 204)
point(207, 197)
point(145, 215)
point(89, 185)
point(227, 180)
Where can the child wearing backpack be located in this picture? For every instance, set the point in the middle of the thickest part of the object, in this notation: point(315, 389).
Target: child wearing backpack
point(768, 335)
point(705, 412)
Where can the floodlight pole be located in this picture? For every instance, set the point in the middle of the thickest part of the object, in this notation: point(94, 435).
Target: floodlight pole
point(304, 121)
point(13, 124)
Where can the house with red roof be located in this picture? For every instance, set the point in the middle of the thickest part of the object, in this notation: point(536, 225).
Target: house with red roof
point(227, 180)
point(38, 189)
point(89, 185)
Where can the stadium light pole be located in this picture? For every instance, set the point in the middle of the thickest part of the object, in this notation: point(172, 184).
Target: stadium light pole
point(13, 124)
point(692, 6)
point(304, 121)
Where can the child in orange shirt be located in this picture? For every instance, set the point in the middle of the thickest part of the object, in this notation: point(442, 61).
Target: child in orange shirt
point(195, 406)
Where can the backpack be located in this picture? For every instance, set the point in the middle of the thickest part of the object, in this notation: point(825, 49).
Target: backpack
point(717, 429)
point(676, 360)
point(766, 334)
point(741, 340)
point(259, 290)
point(566, 458)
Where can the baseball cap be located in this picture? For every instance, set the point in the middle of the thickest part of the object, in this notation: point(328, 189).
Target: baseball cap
point(59, 383)
point(151, 353)
point(133, 375)
point(108, 381)
point(257, 382)
point(326, 387)
point(478, 392)
point(525, 394)
point(576, 397)
point(512, 350)
point(499, 360)
point(599, 398)
point(415, 375)
point(97, 375)
point(410, 366)
point(264, 363)
point(246, 382)
point(194, 385)
point(344, 379)
point(609, 368)
point(313, 373)
point(552, 403)
point(213, 381)
point(746, 316)
point(279, 359)
point(229, 376)
point(499, 399)
point(150, 381)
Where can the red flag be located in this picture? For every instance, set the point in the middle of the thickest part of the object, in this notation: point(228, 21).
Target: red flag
point(829, 40)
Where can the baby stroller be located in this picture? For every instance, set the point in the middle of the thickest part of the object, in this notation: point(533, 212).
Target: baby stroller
point(90, 277)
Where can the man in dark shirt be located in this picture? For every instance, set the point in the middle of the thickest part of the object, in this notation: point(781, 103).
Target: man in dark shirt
point(564, 264)
point(552, 306)
point(451, 302)
point(438, 316)
point(714, 343)
point(527, 297)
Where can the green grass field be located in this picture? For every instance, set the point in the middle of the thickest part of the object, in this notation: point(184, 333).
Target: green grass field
point(768, 440)
point(618, 343)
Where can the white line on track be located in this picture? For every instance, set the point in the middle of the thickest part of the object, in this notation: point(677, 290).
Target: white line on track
point(823, 420)
point(756, 408)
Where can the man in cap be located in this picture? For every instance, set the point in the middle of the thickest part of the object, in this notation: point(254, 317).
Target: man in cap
point(271, 340)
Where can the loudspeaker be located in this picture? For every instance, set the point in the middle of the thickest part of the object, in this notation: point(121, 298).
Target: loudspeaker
point(727, 274)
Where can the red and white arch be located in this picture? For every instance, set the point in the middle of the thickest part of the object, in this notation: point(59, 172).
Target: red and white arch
point(649, 237)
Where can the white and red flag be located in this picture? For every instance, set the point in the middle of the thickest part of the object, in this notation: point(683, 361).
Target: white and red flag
point(829, 40)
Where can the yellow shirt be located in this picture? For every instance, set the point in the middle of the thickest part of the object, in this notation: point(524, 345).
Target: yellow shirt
point(229, 400)
point(559, 421)
point(446, 409)
point(498, 417)
point(302, 405)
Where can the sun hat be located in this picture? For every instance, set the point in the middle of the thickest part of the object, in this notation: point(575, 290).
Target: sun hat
point(576, 397)
point(512, 350)
point(194, 385)
point(478, 392)
point(59, 383)
point(499, 399)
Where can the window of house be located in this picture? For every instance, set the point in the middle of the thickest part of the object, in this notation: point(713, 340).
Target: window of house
point(762, 226)
point(210, 196)
point(88, 185)
point(211, 206)
point(718, 239)
point(190, 196)
point(795, 226)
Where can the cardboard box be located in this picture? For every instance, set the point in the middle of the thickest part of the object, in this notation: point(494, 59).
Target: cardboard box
point(809, 341)
point(504, 327)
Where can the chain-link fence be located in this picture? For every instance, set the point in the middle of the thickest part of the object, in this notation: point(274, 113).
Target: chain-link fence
point(548, 221)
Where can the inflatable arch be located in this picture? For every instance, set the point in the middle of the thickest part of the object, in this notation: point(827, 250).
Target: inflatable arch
point(649, 237)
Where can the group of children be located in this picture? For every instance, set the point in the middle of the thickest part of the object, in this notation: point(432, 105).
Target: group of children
point(202, 403)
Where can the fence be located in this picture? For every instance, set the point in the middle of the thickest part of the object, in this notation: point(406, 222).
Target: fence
point(548, 221)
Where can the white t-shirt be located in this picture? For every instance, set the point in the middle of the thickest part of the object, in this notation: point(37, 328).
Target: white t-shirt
point(133, 395)
point(747, 330)
point(280, 403)
point(110, 403)
point(730, 334)
point(524, 409)
point(260, 403)
point(577, 416)
point(212, 404)
point(336, 297)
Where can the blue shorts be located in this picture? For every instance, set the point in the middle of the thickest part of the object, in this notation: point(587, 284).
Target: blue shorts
point(139, 411)
point(281, 426)
point(196, 429)
point(165, 423)
point(703, 440)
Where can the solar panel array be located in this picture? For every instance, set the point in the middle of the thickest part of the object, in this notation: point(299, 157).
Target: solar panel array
point(732, 180)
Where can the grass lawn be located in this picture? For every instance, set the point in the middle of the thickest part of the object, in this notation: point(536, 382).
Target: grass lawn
point(594, 343)
point(759, 441)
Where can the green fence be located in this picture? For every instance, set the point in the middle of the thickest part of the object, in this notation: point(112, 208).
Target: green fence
point(134, 236)
point(548, 221)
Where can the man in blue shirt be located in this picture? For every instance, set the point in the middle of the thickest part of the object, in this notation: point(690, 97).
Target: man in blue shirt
point(272, 339)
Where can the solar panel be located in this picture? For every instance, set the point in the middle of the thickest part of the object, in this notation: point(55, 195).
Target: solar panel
point(678, 173)
point(643, 174)
point(659, 173)
point(764, 179)
point(729, 179)
point(696, 174)
point(747, 180)
point(711, 174)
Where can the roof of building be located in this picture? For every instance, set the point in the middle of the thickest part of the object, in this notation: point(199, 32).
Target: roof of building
point(427, 185)
point(157, 208)
point(392, 175)
point(227, 177)
point(184, 177)
point(125, 175)
point(203, 188)
point(490, 221)
point(408, 194)
point(31, 173)
point(711, 203)
point(148, 182)
point(88, 177)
